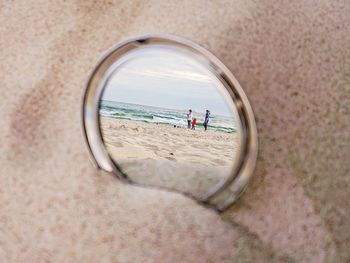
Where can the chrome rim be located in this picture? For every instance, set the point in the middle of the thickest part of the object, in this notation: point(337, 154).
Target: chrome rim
point(221, 195)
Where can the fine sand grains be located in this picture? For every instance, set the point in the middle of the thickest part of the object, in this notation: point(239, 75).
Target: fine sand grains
point(164, 156)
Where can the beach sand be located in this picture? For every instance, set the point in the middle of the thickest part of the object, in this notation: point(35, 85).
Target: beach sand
point(174, 158)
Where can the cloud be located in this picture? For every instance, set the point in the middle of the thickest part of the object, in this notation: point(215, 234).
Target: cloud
point(169, 74)
point(169, 80)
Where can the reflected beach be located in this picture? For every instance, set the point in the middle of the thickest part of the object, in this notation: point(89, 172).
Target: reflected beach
point(154, 113)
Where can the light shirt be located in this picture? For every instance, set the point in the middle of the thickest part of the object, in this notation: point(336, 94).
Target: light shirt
point(189, 116)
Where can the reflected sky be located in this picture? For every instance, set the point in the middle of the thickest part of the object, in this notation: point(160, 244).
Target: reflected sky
point(166, 79)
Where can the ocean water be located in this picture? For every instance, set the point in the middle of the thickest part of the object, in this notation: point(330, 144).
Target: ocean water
point(149, 114)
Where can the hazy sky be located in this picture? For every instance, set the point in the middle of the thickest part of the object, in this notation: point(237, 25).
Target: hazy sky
point(168, 80)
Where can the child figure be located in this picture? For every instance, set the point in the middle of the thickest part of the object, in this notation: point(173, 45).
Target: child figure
point(194, 122)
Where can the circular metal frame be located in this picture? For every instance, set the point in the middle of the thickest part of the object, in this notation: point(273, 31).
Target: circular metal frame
point(220, 196)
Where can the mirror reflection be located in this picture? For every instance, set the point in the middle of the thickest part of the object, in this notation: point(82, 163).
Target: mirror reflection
point(168, 122)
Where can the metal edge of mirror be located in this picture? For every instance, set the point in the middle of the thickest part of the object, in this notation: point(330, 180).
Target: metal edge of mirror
point(221, 196)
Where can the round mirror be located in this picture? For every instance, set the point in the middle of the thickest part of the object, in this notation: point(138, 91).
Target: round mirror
point(162, 112)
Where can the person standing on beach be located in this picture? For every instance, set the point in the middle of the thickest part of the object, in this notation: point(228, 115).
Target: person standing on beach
point(194, 123)
point(206, 119)
point(189, 118)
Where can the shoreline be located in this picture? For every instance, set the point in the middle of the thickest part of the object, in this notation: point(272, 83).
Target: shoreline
point(184, 127)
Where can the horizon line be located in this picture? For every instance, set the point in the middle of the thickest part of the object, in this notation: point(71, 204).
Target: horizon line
point(165, 108)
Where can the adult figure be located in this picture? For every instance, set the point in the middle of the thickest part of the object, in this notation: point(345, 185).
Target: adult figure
point(206, 119)
point(189, 118)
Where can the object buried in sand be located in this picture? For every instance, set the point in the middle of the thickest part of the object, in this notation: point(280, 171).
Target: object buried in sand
point(143, 89)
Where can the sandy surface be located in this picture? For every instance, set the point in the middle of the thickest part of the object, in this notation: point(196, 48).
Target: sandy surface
point(165, 156)
point(292, 59)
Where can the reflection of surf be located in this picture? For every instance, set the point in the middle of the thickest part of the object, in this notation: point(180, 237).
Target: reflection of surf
point(127, 111)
